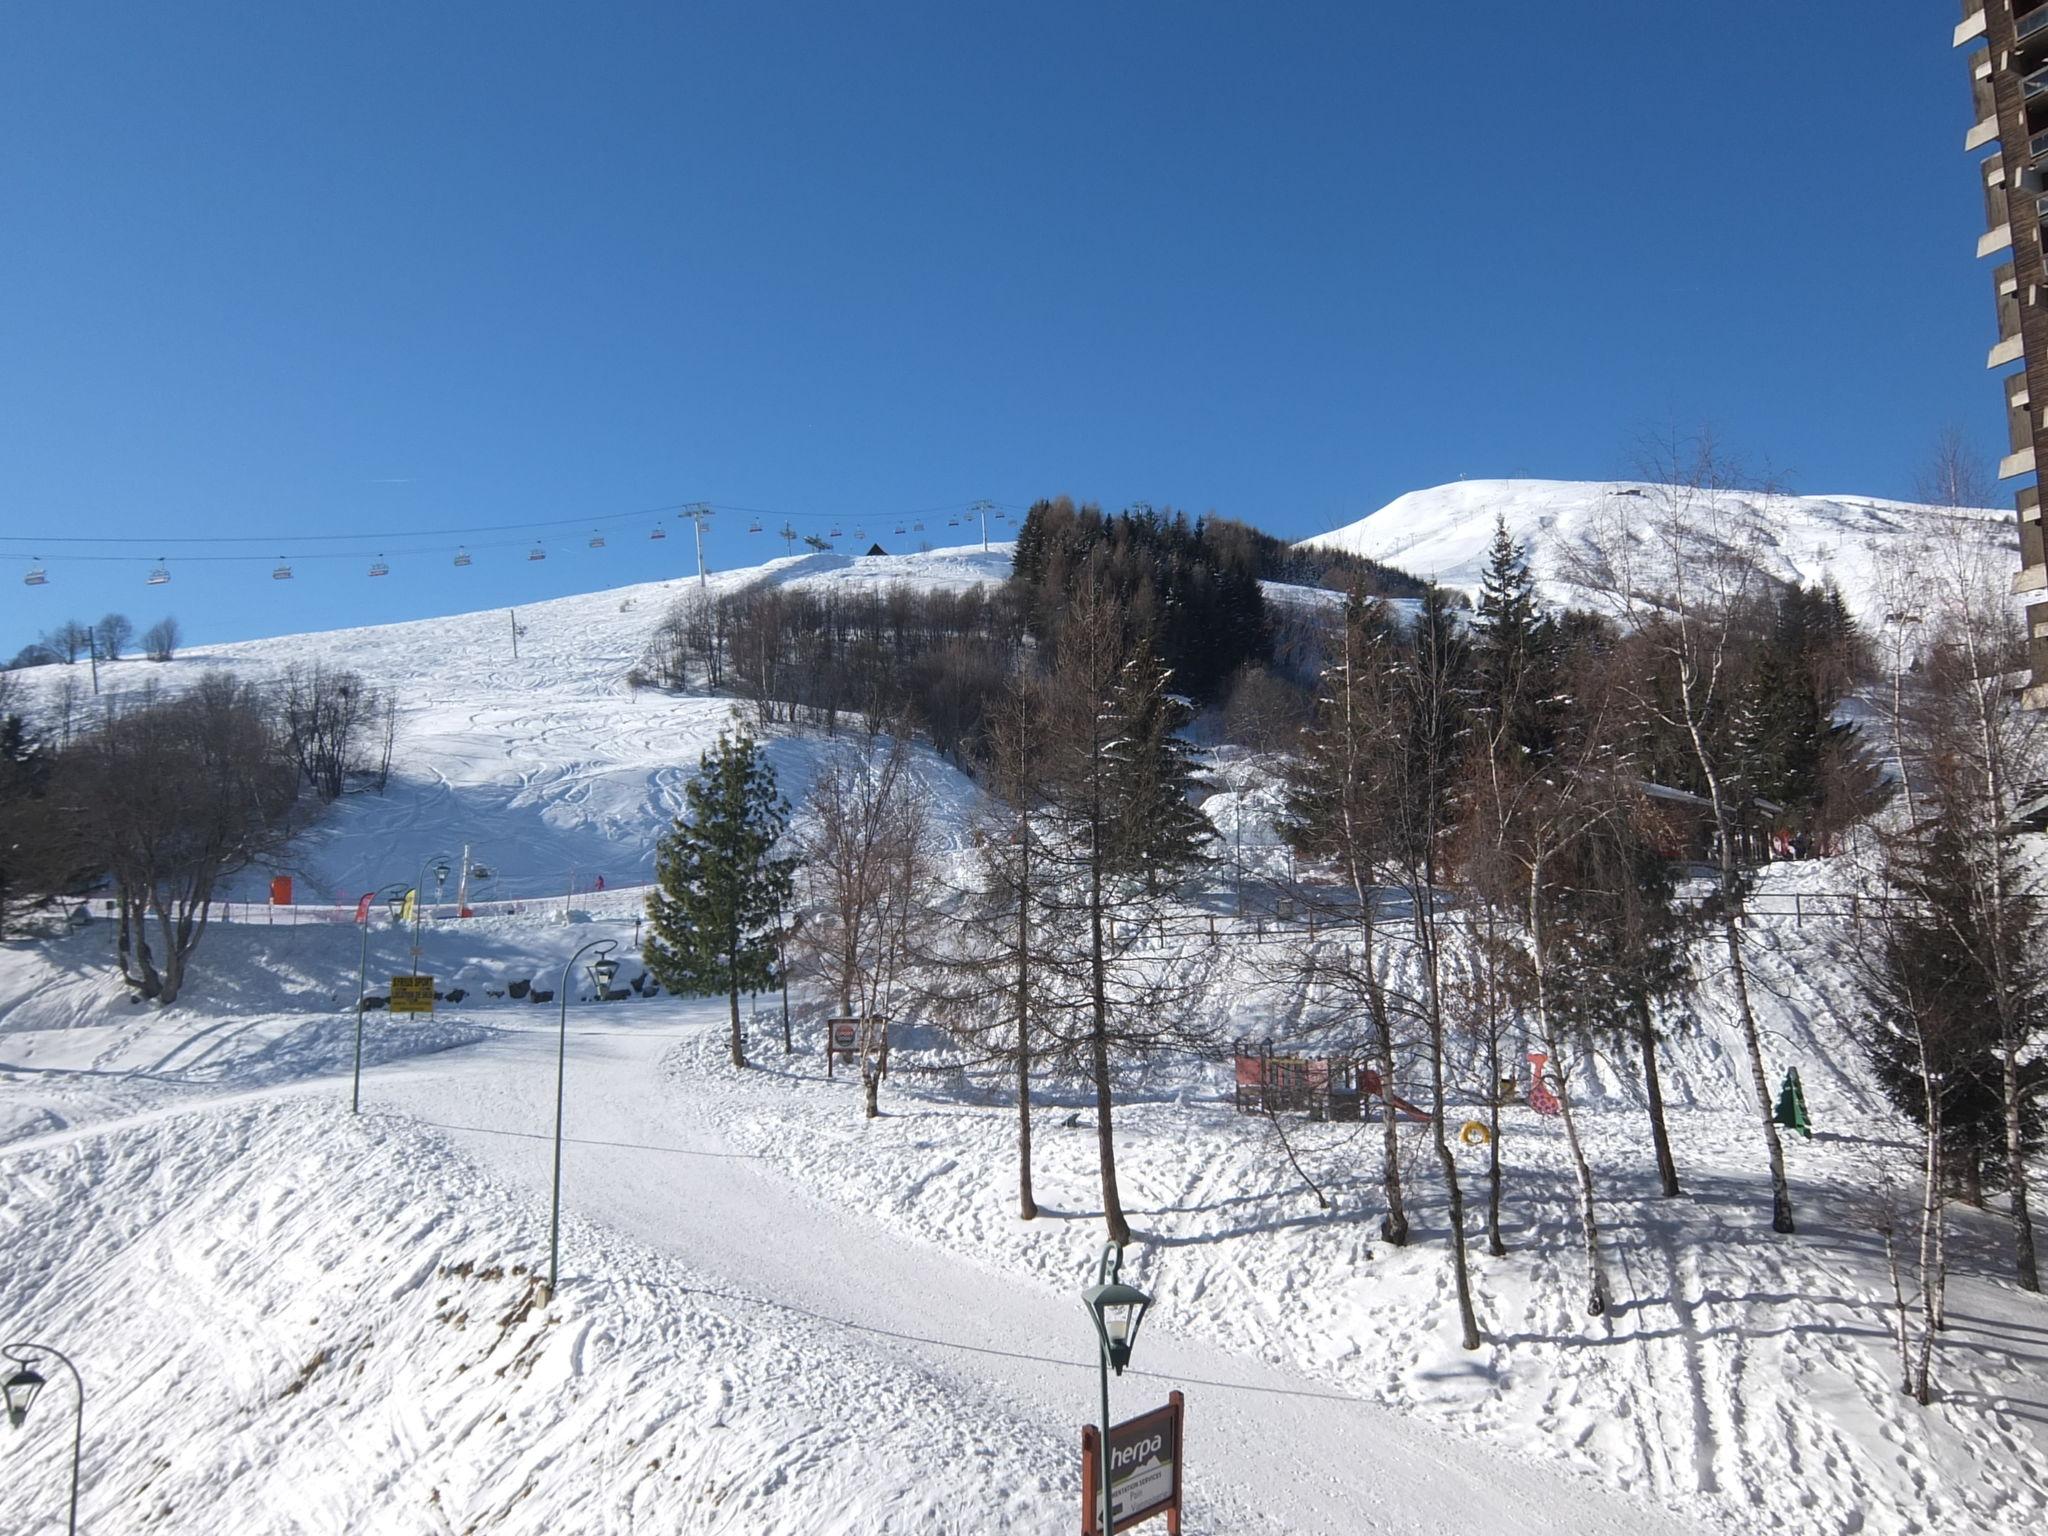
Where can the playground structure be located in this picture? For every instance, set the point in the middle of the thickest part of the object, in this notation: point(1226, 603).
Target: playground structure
point(1323, 1087)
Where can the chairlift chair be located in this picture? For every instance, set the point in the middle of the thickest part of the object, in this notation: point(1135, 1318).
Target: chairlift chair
point(379, 568)
point(952, 522)
point(900, 528)
point(158, 573)
point(834, 533)
point(462, 557)
point(536, 553)
point(36, 577)
point(596, 540)
point(917, 527)
point(754, 526)
point(282, 571)
point(659, 533)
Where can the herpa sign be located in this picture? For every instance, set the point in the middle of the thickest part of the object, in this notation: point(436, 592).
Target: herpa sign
point(1144, 1470)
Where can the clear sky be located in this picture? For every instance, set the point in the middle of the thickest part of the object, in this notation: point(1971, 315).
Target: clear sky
point(296, 271)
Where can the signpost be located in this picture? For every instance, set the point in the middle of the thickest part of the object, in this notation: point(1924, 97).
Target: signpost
point(412, 994)
point(844, 1044)
point(1144, 1469)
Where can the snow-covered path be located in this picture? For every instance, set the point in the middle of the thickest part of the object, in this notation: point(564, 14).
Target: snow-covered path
point(1267, 1449)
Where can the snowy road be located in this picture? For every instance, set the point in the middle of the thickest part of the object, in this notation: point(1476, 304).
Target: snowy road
point(1267, 1450)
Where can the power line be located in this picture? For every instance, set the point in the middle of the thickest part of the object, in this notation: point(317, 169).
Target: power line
point(154, 543)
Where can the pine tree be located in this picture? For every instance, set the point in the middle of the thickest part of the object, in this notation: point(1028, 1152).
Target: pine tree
point(719, 885)
point(24, 827)
point(1160, 834)
point(1625, 953)
point(1933, 1012)
point(1514, 652)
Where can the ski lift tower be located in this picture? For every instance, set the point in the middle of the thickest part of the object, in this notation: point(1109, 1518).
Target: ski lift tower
point(699, 513)
point(982, 509)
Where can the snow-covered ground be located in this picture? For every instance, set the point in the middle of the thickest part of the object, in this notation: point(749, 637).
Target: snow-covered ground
point(549, 768)
point(777, 1316)
point(1444, 532)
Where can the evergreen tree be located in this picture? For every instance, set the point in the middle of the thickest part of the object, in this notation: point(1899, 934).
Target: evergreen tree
point(719, 885)
point(1160, 834)
point(1514, 653)
point(24, 825)
point(1623, 951)
point(1933, 1013)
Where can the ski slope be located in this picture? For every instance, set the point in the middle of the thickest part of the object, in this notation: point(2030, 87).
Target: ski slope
point(1443, 533)
point(548, 766)
point(779, 1317)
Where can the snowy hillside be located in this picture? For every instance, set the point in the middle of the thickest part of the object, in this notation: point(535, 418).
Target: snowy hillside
point(548, 767)
point(1443, 532)
point(777, 1316)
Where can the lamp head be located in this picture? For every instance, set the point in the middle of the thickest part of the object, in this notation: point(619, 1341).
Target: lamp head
point(1118, 1311)
point(604, 969)
point(20, 1390)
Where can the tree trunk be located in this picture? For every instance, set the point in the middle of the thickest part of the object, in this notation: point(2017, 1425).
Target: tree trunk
point(1731, 890)
point(739, 1051)
point(1027, 1207)
point(1394, 1225)
point(1496, 1245)
point(2016, 1170)
point(1468, 1319)
point(1105, 1135)
point(1781, 1191)
point(1653, 1089)
point(1589, 1216)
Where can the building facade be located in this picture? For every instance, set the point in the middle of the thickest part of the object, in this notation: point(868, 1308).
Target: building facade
point(2008, 60)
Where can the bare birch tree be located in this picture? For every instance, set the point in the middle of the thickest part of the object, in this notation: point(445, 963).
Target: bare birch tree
point(1681, 568)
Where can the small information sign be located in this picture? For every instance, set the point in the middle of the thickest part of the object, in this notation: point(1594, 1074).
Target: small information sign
point(1144, 1470)
point(412, 994)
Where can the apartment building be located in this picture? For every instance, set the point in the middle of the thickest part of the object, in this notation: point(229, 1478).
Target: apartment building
point(2008, 60)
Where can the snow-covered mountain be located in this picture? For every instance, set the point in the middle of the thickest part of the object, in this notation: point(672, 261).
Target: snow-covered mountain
point(1443, 532)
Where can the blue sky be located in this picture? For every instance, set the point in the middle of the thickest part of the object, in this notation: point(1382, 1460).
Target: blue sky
point(327, 276)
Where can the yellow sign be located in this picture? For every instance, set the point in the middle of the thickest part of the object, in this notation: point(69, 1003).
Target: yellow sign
point(412, 994)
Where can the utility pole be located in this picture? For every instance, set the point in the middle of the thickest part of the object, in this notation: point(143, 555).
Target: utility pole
point(984, 508)
point(513, 615)
point(92, 649)
point(699, 513)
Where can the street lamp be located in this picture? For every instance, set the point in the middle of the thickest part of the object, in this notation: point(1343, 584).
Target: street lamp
point(1117, 1310)
point(390, 895)
point(419, 891)
point(603, 969)
point(20, 1391)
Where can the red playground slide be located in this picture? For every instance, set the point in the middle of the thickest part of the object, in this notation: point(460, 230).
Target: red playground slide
point(1369, 1082)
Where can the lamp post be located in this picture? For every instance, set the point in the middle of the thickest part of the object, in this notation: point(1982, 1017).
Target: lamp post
point(20, 1390)
point(419, 889)
point(390, 895)
point(1117, 1310)
point(602, 969)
